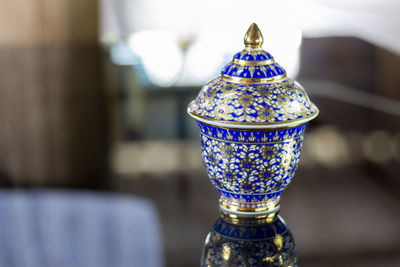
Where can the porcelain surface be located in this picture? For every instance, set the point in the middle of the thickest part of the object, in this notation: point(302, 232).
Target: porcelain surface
point(252, 120)
point(262, 104)
point(252, 168)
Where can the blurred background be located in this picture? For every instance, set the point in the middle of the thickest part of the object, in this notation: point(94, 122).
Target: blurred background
point(94, 130)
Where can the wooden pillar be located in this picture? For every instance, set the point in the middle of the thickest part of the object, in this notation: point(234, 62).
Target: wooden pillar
point(52, 104)
point(387, 84)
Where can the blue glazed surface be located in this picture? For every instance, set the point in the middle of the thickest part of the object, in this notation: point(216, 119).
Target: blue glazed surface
point(253, 55)
point(263, 71)
point(251, 166)
point(243, 65)
point(254, 244)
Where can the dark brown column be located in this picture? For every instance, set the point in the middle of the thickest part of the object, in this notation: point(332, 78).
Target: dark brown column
point(52, 103)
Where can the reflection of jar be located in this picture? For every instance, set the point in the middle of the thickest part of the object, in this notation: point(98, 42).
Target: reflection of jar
point(252, 120)
point(249, 242)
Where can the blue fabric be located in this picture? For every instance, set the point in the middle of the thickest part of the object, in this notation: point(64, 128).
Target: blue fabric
point(59, 228)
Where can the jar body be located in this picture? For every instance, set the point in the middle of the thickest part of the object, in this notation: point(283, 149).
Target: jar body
point(250, 167)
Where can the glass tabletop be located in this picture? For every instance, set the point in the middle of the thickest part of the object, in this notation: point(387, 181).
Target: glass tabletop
point(337, 217)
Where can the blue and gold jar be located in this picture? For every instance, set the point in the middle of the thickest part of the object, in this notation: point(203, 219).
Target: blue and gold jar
point(252, 120)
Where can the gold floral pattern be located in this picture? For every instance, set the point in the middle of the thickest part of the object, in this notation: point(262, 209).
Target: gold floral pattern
point(284, 101)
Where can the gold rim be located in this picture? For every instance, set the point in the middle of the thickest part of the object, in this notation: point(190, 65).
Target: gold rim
point(292, 123)
point(235, 208)
point(255, 130)
point(252, 80)
point(253, 63)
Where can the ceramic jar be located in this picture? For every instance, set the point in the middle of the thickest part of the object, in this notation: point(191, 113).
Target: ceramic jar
point(251, 120)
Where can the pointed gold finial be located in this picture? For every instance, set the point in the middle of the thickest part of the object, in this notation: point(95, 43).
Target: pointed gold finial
point(253, 37)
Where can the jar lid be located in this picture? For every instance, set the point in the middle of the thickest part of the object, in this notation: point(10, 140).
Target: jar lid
point(253, 91)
